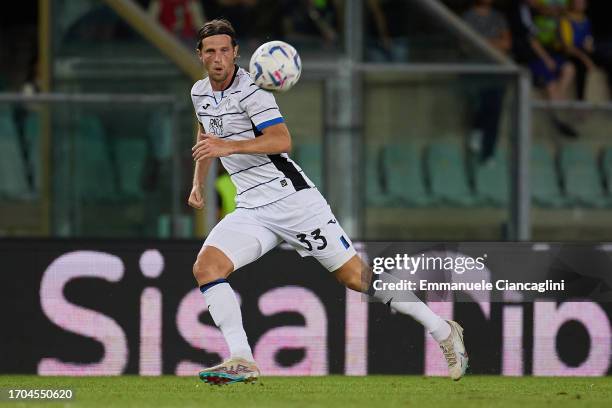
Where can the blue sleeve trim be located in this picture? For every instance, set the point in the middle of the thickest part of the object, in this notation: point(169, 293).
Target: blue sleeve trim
point(270, 122)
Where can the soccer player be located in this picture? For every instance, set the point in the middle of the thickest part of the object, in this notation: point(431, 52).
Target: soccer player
point(275, 201)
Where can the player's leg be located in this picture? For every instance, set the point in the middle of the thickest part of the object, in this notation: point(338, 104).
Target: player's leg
point(236, 241)
point(306, 221)
point(211, 270)
point(356, 275)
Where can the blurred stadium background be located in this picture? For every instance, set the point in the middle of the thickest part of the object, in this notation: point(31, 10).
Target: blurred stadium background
point(385, 119)
point(416, 122)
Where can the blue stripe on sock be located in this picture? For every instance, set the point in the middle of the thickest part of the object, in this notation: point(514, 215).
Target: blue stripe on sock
point(209, 285)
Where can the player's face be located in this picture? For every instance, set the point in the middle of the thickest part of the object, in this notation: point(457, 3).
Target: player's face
point(218, 57)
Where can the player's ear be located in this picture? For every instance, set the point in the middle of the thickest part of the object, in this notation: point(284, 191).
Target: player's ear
point(235, 52)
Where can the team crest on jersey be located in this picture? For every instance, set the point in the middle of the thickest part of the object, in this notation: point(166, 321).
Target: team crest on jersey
point(215, 126)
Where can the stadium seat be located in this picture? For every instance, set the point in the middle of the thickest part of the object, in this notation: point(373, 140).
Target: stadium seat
point(93, 169)
point(581, 179)
point(607, 168)
point(310, 157)
point(491, 180)
point(545, 187)
point(447, 174)
point(131, 155)
point(375, 194)
point(13, 180)
point(402, 171)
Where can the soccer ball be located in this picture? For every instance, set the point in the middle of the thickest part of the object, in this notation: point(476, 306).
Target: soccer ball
point(276, 66)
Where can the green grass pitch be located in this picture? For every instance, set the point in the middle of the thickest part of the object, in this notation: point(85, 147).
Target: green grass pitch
point(332, 391)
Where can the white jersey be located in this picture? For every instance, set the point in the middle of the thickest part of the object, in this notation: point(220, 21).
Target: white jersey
point(241, 112)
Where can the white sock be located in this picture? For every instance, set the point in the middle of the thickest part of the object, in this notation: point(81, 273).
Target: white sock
point(411, 305)
point(225, 312)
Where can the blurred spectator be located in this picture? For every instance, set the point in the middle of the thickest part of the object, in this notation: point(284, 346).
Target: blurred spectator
point(251, 31)
point(386, 40)
point(18, 42)
point(539, 45)
point(269, 14)
point(181, 17)
point(18, 55)
point(578, 42)
point(550, 68)
point(307, 21)
point(21, 113)
point(489, 23)
point(546, 20)
point(599, 14)
point(493, 26)
point(99, 24)
point(231, 10)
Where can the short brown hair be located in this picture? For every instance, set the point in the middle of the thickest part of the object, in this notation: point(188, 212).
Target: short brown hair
point(216, 27)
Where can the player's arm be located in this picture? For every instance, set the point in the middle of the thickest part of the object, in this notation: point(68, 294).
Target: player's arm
point(275, 139)
point(273, 136)
point(196, 197)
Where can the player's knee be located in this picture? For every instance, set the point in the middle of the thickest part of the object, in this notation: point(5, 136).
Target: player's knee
point(210, 265)
point(199, 270)
point(205, 272)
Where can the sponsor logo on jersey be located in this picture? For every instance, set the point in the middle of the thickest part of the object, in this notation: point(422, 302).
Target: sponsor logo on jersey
point(215, 126)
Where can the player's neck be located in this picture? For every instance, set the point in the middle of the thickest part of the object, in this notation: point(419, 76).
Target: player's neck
point(222, 86)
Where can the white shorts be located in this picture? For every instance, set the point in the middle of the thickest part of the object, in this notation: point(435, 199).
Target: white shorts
point(304, 220)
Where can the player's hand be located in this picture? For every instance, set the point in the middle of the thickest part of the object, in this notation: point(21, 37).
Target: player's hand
point(196, 198)
point(209, 145)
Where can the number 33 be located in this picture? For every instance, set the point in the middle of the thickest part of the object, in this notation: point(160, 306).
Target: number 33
point(316, 235)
